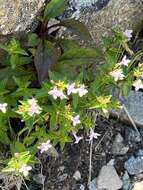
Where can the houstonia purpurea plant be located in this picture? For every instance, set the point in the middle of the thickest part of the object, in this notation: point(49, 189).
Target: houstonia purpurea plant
point(49, 89)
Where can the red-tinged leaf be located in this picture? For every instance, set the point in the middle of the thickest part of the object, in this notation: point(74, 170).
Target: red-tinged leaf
point(76, 27)
point(54, 8)
point(46, 57)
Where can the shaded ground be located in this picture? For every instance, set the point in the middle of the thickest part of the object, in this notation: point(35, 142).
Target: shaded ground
point(59, 173)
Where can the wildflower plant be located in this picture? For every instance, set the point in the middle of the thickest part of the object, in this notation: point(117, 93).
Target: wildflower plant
point(49, 105)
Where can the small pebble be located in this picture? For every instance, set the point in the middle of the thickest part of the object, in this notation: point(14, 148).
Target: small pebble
point(108, 179)
point(77, 175)
point(134, 165)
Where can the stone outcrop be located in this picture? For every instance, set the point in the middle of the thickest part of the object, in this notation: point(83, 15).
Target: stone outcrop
point(18, 15)
point(103, 15)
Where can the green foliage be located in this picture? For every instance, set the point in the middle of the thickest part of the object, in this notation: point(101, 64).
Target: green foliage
point(54, 9)
point(49, 88)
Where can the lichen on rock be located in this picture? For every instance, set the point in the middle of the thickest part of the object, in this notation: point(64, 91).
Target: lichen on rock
point(18, 15)
point(125, 14)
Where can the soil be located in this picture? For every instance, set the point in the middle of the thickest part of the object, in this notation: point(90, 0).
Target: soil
point(59, 172)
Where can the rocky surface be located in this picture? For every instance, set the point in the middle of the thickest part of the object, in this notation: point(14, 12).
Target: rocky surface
point(108, 179)
point(134, 165)
point(18, 15)
point(102, 16)
point(118, 147)
point(134, 106)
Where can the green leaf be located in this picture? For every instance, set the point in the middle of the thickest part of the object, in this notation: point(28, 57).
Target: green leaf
point(54, 8)
point(17, 147)
point(79, 56)
point(76, 27)
point(67, 44)
point(45, 59)
point(33, 40)
point(3, 137)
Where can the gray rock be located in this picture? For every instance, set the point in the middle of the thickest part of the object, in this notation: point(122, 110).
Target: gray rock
point(134, 104)
point(140, 153)
point(77, 175)
point(103, 15)
point(108, 179)
point(118, 146)
point(39, 178)
point(82, 187)
point(126, 181)
point(62, 177)
point(92, 185)
point(138, 185)
point(134, 165)
point(131, 135)
point(18, 15)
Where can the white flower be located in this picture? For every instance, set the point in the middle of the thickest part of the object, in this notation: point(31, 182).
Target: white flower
point(125, 61)
point(25, 170)
point(57, 93)
point(71, 89)
point(128, 34)
point(3, 107)
point(75, 120)
point(45, 146)
point(34, 108)
point(117, 74)
point(82, 90)
point(93, 135)
point(138, 84)
point(77, 139)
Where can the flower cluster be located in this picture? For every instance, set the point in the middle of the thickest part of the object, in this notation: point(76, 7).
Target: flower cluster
point(3, 107)
point(75, 120)
point(128, 34)
point(45, 146)
point(29, 107)
point(71, 89)
point(25, 170)
point(117, 73)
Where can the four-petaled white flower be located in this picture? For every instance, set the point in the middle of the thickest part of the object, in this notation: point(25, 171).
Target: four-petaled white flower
point(117, 74)
point(3, 107)
point(75, 120)
point(71, 89)
point(77, 139)
point(138, 84)
point(93, 135)
point(56, 93)
point(45, 146)
point(128, 34)
point(25, 170)
point(82, 90)
point(125, 61)
point(33, 108)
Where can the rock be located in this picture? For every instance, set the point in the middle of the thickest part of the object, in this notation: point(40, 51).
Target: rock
point(82, 187)
point(18, 15)
point(77, 175)
point(134, 104)
point(108, 179)
point(92, 185)
point(140, 153)
point(102, 16)
point(62, 177)
point(131, 135)
point(39, 178)
point(138, 186)
point(118, 146)
point(126, 181)
point(134, 165)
